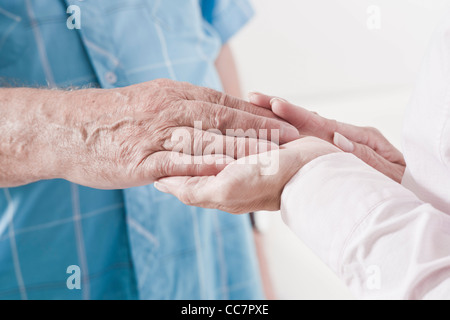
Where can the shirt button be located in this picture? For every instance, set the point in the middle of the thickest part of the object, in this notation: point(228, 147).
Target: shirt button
point(111, 77)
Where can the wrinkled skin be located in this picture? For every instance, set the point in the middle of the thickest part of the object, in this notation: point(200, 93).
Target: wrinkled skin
point(121, 138)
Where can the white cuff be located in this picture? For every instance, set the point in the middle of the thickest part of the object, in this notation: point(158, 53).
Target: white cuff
point(329, 198)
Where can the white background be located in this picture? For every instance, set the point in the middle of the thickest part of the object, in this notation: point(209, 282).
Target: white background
point(322, 55)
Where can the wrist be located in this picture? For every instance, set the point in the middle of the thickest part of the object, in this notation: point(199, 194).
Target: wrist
point(47, 110)
point(85, 131)
point(47, 131)
point(25, 153)
point(71, 128)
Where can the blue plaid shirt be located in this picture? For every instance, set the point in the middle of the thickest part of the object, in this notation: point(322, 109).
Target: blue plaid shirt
point(135, 243)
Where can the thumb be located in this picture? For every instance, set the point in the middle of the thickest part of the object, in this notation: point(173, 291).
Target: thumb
point(172, 185)
point(260, 100)
point(370, 157)
point(307, 122)
point(173, 164)
point(193, 191)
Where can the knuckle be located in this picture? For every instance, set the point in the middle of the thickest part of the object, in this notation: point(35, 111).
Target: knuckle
point(165, 168)
point(373, 131)
point(252, 125)
point(205, 94)
point(169, 138)
point(199, 139)
point(366, 154)
point(216, 97)
point(224, 99)
point(184, 91)
point(333, 123)
point(144, 168)
point(329, 125)
point(222, 119)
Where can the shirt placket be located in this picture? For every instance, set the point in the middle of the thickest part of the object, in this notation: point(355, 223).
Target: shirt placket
point(100, 44)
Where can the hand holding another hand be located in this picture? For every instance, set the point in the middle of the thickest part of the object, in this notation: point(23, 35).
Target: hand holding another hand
point(121, 138)
point(245, 186)
point(249, 184)
point(366, 143)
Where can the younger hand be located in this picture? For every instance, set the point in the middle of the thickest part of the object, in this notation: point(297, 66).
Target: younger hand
point(246, 185)
point(366, 143)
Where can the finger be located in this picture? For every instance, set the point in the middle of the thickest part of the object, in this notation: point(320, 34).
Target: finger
point(371, 157)
point(362, 135)
point(310, 123)
point(223, 99)
point(203, 94)
point(260, 100)
point(193, 141)
point(208, 97)
point(167, 164)
point(307, 122)
point(192, 191)
point(265, 101)
point(235, 122)
point(372, 138)
point(343, 143)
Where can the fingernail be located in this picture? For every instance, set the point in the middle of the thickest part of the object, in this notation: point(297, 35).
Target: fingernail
point(274, 100)
point(252, 96)
point(159, 186)
point(343, 143)
point(172, 182)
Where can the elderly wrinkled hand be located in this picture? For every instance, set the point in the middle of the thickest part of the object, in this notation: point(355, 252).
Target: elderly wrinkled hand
point(366, 143)
point(134, 134)
point(120, 138)
point(248, 184)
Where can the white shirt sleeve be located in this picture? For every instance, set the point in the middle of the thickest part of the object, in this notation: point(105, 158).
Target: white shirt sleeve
point(378, 237)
